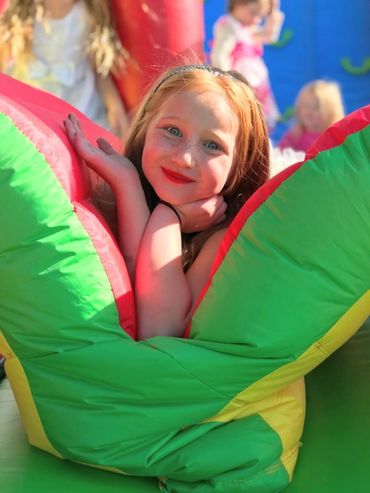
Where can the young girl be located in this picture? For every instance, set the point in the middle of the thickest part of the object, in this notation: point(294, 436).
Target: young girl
point(238, 43)
point(66, 47)
point(318, 105)
point(198, 148)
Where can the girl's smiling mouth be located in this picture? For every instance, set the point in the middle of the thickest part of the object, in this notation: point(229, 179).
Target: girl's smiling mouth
point(176, 177)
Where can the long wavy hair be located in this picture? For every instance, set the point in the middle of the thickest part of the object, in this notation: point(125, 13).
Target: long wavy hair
point(250, 167)
point(16, 31)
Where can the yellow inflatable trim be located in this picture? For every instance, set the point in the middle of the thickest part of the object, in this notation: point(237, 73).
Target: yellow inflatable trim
point(26, 405)
point(291, 400)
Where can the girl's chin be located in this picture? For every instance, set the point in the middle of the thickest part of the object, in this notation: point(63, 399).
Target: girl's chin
point(174, 203)
point(173, 199)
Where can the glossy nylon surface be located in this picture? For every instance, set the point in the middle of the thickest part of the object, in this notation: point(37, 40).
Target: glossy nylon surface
point(123, 417)
point(333, 455)
point(54, 350)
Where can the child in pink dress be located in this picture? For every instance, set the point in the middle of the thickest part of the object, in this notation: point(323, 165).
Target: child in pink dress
point(239, 37)
point(318, 105)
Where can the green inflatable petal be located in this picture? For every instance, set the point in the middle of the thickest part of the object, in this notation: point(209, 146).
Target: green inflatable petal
point(211, 412)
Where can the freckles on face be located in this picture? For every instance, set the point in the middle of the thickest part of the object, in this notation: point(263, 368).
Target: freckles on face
point(189, 146)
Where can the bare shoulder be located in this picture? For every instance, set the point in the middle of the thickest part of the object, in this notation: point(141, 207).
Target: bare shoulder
point(209, 250)
point(214, 241)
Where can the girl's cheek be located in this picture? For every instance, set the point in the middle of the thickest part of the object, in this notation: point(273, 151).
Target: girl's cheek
point(218, 179)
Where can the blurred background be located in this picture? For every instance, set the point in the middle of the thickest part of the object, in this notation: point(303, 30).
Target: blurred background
point(327, 39)
point(320, 39)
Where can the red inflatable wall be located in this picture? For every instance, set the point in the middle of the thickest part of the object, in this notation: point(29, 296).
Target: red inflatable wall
point(3, 4)
point(156, 34)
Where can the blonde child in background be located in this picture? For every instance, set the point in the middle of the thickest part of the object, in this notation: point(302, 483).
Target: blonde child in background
point(239, 37)
point(68, 48)
point(197, 150)
point(318, 105)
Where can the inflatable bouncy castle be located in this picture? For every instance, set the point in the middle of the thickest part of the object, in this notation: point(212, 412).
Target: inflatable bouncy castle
point(221, 409)
point(168, 407)
point(174, 35)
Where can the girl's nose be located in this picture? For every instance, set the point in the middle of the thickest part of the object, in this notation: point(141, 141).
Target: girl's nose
point(185, 155)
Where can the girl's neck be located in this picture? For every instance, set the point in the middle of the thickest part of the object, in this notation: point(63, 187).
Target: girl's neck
point(57, 9)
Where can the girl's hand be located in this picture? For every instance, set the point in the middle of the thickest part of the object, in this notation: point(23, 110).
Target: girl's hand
point(201, 214)
point(104, 160)
point(274, 6)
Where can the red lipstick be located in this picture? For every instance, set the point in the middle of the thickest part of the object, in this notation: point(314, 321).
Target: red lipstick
point(176, 177)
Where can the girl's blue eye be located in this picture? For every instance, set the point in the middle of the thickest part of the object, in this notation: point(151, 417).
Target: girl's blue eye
point(210, 144)
point(174, 131)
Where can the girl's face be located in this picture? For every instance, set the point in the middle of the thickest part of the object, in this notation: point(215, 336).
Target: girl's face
point(248, 14)
point(309, 114)
point(189, 147)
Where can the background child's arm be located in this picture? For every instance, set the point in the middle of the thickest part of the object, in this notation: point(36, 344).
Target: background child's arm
point(123, 178)
point(271, 28)
point(116, 113)
point(165, 295)
point(223, 45)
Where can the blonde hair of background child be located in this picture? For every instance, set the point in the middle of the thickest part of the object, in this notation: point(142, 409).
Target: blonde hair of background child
point(251, 160)
point(16, 29)
point(329, 98)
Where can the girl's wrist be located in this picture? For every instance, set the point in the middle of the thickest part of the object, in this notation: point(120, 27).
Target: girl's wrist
point(124, 179)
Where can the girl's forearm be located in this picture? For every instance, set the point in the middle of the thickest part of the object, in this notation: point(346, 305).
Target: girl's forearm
point(163, 295)
point(270, 31)
point(132, 218)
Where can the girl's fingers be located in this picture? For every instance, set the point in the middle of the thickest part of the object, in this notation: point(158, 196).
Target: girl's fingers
point(105, 146)
point(76, 135)
point(69, 129)
point(223, 208)
point(100, 158)
point(75, 121)
point(220, 213)
point(81, 145)
point(218, 204)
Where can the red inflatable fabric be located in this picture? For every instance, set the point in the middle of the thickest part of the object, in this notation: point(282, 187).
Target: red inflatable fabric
point(47, 112)
point(157, 34)
point(3, 4)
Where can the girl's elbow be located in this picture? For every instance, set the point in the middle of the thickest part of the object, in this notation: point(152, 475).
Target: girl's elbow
point(167, 320)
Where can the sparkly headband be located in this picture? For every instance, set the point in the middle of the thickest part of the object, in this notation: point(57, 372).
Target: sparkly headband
point(205, 68)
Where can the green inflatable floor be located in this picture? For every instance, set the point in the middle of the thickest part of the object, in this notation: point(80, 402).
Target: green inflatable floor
point(334, 457)
point(24, 469)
